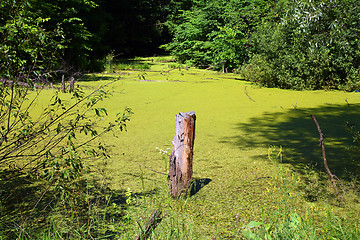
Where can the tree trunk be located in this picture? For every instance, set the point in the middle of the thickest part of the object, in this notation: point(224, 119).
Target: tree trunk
point(181, 159)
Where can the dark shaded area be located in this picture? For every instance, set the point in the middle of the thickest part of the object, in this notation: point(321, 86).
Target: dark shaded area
point(134, 27)
point(198, 184)
point(146, 193)
point(88, 78)
point(34, 205)
point(117, 67)
point(296, 132)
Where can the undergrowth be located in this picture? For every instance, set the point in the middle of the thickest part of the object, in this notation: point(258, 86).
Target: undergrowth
point(317, 221)
point(87, 209)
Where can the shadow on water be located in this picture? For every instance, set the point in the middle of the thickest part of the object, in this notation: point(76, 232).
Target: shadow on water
point(116, 68)
point(198, 184)
point(88, 78)
point(296, 132)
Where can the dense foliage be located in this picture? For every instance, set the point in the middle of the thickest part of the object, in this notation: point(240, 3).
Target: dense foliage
point(47, 135)
point(24, 41)
point(299, 44)
point(135, 27)
point(314, 45)
point(216, 32)
point(41, 35)
point(76, 34)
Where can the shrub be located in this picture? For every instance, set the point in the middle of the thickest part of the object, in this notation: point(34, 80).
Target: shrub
point(215, 32)
point(313, 46)
point(43, 152)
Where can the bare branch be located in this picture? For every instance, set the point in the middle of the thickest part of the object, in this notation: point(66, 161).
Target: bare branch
point(151, 224)
point(333, 177)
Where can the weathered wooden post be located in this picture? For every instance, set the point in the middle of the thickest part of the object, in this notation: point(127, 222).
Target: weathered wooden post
point(63, 83)
point(181, 159)
point(71, 84)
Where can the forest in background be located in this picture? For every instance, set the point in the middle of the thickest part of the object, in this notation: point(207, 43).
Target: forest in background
point(298, 44)
point(77, 33)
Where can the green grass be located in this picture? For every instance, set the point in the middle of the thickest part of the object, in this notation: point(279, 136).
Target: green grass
point(238, 183)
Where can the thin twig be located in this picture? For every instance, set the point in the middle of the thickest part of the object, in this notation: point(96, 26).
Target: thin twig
point(150, 169)
point(347, 102)
point(248, 95)
point(333, 177)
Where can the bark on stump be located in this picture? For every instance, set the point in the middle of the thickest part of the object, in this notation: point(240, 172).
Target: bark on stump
point(181, 159)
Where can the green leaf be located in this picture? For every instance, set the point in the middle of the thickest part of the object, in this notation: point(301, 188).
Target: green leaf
point(249, 235)
point(253, 224)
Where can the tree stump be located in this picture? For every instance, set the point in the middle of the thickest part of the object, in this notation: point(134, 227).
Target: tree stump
point(181, 159)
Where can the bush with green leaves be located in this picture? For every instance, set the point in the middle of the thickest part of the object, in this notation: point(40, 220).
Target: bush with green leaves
point(24, 42)
point(44, 152)
point(312, 45)
point(215, 32)
point(299, 44)
point(40, 35)
point(190, 41)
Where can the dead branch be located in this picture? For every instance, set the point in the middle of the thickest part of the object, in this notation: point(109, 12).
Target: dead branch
point(347, 102)
point(151, 224)
point(151, 169)
point(63, 83)
point(210, 67)
point(248, 95)
point(71, 84)
point(333, 177)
